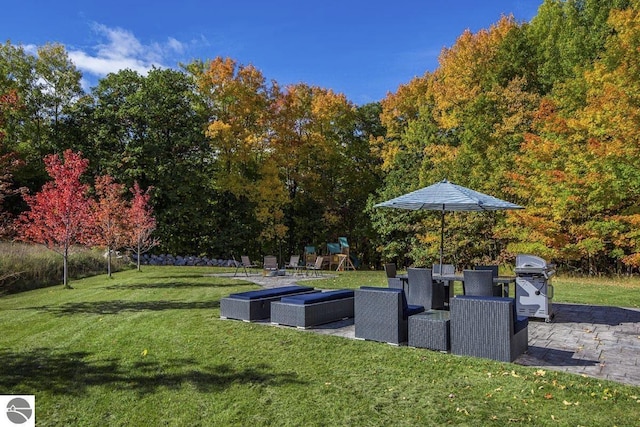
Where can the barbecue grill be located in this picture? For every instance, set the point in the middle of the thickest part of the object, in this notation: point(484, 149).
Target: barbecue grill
point(534, 293)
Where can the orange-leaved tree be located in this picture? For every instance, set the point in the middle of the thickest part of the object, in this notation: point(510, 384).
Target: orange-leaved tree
point(109, 212)
point(141, 223)
point(59, 216)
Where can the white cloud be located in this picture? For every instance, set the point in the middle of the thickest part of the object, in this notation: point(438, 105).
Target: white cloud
point(120, 50)
point(176, 45)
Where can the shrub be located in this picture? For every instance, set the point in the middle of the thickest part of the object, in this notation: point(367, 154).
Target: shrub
point(25, 267)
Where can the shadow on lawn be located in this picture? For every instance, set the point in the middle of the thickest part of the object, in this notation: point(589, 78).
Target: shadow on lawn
point(171, 285)
point(120, 306)
point(43, 369)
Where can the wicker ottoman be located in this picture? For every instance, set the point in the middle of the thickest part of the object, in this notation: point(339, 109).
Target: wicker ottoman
point(430, 330)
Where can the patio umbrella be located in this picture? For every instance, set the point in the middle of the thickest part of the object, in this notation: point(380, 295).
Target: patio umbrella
point(446, 196)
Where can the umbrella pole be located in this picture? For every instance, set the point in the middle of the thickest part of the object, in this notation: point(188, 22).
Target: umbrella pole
point(441, 238)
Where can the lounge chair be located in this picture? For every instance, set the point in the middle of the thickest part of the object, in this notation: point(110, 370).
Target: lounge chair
point(294, 264)
point(316, 268)
point(256, 305)
point(310, 255)
point(270, 265)
point(245, 264)
point(305, 310)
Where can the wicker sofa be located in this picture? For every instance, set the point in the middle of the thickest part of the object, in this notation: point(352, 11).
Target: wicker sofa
point(486, 326)
point(381, 314)
point(306, 310)
point(256, 305)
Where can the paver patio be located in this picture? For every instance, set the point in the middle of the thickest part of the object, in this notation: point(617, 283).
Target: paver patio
point(596, 341)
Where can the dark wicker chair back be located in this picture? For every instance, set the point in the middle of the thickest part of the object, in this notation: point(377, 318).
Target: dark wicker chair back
point(423, 290)
point(390, 269)
point(478, 282)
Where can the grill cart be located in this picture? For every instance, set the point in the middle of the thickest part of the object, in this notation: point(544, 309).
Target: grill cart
point(534, 293)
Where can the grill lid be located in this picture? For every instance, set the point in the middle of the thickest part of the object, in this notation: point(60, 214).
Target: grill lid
point(531, 264)
point(530, 261)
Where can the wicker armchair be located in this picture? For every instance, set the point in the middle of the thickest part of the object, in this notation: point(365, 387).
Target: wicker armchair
point(487, 327)
point(382, 314)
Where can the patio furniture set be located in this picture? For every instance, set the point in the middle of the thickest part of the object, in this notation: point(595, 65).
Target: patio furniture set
point(270, 266)
point(480, 326)
point(420, 316)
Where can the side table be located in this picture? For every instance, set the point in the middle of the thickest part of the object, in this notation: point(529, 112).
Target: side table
point(430, 329)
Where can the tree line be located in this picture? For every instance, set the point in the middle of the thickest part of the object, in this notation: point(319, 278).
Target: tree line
point(543, 114)
point(238, 165)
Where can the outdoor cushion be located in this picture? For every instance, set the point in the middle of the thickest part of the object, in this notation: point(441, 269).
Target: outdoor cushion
point(318, 297)
point(413, 309)
point(521, 323)
point(269, 293)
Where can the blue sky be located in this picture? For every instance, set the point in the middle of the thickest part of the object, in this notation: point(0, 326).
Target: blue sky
point(362, 48)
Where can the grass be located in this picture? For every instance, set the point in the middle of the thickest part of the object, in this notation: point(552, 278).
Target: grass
point(25, 267)
point(148, 348)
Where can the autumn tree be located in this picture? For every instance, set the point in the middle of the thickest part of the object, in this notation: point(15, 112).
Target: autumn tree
point(109, 212)
point(463, 122)
point(140, 223)
point(233, 100)
point(59, 215)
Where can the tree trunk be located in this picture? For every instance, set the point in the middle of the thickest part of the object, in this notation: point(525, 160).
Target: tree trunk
point(109, 262)
point(65, 271)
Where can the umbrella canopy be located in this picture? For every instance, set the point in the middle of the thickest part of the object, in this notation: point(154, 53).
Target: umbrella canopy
point(446, 196)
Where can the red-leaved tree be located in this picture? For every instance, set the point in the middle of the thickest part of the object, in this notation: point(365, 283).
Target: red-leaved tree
point(110, 214)
point(59, 215)
point(141, 223)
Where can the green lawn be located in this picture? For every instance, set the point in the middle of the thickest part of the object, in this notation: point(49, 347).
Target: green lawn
point(149, 349)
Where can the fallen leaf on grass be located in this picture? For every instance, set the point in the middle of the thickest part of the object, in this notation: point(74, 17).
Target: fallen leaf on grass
point(548, 396)
point(540, 373)
point(464, 411)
